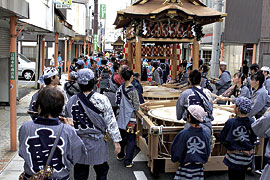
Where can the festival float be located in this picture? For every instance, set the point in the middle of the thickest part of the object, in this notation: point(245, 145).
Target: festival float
point(153, 29)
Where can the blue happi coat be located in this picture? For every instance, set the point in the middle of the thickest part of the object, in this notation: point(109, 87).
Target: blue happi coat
point(261, 128)
point(195, 96)
point(267, 84)
point(111, 92)
point(238, 135)
point(191, 148)
point(224, 82)
point(36, 139)
point(92, 115)
point(126, 105)
point(260, 103)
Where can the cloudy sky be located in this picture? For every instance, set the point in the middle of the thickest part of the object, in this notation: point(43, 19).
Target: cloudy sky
point(112, 7)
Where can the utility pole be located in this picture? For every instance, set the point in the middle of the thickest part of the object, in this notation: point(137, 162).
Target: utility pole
point(216, 43)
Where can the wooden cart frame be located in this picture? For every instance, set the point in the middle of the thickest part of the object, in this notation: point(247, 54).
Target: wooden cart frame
point(150, 147)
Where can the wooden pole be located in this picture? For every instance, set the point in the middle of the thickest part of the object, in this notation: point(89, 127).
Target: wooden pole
point(81, 49)
point(191, 51)
point(138, 57)
point(69, 54)
point(66, 54)
point(129, 58)
point(88, 47)
point(84, 47)
point(174, 62)
point(221, 51)
point(254, 53)
point(195, 54)
point(56, 50)
point(13, 87)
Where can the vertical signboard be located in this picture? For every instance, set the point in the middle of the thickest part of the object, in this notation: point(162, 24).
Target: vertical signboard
point(12, 65)
point(102, 11)
point(95, 43)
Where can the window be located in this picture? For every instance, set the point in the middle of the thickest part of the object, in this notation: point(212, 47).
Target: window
point(207, 55)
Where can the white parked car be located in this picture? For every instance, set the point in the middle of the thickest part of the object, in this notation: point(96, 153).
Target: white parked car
point(26, 68)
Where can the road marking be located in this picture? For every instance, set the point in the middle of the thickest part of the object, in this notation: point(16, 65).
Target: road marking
point(140, 157)
point(140, 175)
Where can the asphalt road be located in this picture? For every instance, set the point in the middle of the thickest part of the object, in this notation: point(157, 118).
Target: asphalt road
point(25, 87)
point(140, 171)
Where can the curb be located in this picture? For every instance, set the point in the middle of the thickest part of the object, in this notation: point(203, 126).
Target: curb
point(6, 165)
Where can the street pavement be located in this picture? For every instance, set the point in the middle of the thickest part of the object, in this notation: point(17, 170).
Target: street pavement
point(25, 87)
point(11, 165)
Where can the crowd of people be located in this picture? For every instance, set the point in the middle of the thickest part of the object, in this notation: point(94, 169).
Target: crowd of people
point(72, 127)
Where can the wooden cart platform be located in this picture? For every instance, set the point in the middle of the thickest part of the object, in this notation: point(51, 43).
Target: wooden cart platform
point(156, 135)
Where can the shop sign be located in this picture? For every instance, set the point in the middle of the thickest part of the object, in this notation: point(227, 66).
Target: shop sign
point(63, 4)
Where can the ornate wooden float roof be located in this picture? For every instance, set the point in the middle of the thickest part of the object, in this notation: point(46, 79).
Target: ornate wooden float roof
point(185, 10)
point(118, 42)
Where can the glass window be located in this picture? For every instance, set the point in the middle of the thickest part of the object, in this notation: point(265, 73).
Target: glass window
point(207, 55)
point(24, 58)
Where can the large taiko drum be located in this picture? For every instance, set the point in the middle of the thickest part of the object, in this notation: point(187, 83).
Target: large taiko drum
point(169, 114)
point(166, 116)
point(160, 93)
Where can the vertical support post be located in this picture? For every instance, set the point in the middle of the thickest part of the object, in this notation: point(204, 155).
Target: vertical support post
point(138, 56)
point(81, 49)
point(76, 50)
point(88, 47)
point(174, 61)
point(191, 51)
point(66, 54)
point(254, 53)
point(216, 42)
point(129, 58)
point(56, 35)
point(69, 54)
point(221, 51)
point(195, 54)
point(13, 84)
point(84, 47)
point(43, 55)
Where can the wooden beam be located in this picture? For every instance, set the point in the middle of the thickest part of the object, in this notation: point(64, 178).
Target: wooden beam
point(157, 57)
point(174, 62)
point(129, 58)
point(166, 40)
point(138, 56)
point(195, 54)
point(254, 53)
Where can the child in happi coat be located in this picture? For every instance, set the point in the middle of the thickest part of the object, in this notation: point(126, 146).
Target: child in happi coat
point(191, 147)
point(238, 137)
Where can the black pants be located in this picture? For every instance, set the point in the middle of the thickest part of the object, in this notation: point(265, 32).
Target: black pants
point(81, 171)
point(59, 72)
point(128, 142)
point(236, 174)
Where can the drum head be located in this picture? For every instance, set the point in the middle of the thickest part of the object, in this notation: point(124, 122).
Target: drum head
point(169, 114)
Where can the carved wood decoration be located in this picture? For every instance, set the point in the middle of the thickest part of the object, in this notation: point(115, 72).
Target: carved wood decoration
point(165, 29)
